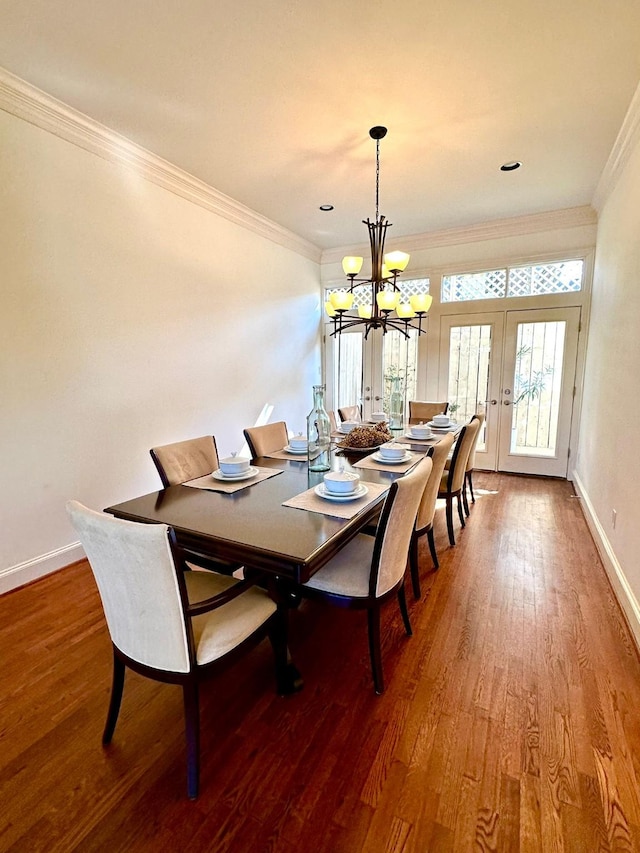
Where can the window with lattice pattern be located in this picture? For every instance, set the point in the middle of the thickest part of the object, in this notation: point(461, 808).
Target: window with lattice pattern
point(563, 277)
point(531, 280)
point(478, 285)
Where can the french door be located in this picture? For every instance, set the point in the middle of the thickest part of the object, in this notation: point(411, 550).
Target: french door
point(359, 371)
point(520, 366)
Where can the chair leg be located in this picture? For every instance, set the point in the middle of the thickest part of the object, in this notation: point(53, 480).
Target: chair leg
point(464, 497)
point(373, 620)
point(192, 731)
point(470, 481)
point(432, 547)
point(117, 686)
point(460, 512)
point(452, 538)
point(402, 601)
point(413, 563)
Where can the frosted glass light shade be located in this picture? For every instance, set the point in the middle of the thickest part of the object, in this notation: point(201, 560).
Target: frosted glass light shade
point(387, 300)
point(341, 300)
point(396, 261)
point(328, 307)
point(405, 311)
point(421, 303)
point(352, 265)
point(385, 272)
point(364, 312)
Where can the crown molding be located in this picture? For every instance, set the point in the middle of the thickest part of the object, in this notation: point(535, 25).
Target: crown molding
point(31, 104)
point(626, 141)
point(554, 220)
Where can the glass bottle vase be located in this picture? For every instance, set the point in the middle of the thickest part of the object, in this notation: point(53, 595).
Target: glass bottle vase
point(318, 433)
point(396, 404)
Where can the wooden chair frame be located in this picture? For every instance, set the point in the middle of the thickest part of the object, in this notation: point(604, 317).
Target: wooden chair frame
point(275, 628)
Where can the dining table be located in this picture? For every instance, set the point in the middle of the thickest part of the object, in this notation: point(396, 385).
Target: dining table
point(273, 522)
point(259, 524)
point(253, 527)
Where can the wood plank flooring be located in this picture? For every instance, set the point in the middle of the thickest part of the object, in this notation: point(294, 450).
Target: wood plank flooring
point(510, 720)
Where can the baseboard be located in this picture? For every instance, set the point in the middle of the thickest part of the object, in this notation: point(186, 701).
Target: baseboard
point(15, 576)
point(612, 567)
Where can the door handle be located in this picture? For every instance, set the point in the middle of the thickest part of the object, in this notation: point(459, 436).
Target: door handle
point(506, 402)
point(377, 398)
point(493, 402)
point(367, 398)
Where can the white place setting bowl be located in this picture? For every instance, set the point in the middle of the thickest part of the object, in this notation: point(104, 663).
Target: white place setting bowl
point(341, 482)
point(378, 417)
point(441, 420)
point(392, 451)
point(347, 426)
point(420, 431)
point(234, 466)
point(298, 443)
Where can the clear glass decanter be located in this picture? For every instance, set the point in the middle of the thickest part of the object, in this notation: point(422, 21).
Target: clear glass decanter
point(396, 404)
point(318, 433)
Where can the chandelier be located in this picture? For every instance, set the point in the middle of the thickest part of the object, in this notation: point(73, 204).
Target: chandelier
point(385, 269)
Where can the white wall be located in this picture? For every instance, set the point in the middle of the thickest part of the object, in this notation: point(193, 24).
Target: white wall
point(608, 463)
point(130, 317)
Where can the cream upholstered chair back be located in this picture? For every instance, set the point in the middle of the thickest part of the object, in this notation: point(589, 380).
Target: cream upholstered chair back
point(424, 411)
point(427, 508)
point(185, 460)
point(350, 413)
point(333, 421)
point(396, 525)
point(137, 580)
point(471, 461)
point(267, 438)
point(458, 467)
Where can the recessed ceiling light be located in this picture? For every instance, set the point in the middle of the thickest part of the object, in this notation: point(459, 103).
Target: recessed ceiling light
point(511, 166)
point(326, 207)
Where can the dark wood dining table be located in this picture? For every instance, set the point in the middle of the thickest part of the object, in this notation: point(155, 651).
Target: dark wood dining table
point(251, 526)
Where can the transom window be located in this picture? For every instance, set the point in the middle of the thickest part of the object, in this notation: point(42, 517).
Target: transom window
point(532, 280)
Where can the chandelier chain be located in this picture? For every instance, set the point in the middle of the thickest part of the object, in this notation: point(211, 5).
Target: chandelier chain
point(377, 180)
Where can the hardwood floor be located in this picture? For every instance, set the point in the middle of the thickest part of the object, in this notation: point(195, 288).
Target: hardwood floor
point(510, 719)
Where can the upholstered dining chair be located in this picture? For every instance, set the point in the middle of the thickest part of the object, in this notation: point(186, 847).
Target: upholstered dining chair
point(368, 571)
point(167, 624)
point(471, 462)
point(424, 411)
point(350, 413)
point(185, 460)
point(427, 510)
point(452, 481)
point(265, 439)
point(333, 421)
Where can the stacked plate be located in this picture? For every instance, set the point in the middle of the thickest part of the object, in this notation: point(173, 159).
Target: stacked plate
point(234, 478)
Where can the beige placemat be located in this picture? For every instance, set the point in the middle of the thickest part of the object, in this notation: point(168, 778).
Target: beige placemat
point(283, 454)
point(309, 500)
point(399, 468)
point(207, 482)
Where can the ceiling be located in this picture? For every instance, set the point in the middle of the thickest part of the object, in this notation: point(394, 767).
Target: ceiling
point(271, 102)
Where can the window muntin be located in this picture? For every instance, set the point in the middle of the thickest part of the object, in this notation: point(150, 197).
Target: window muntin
point(527, 280)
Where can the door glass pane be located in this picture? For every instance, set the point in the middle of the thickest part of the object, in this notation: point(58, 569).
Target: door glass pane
point(347, 366)
point(536, 388)
point(469, 359)
point(400, 358)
